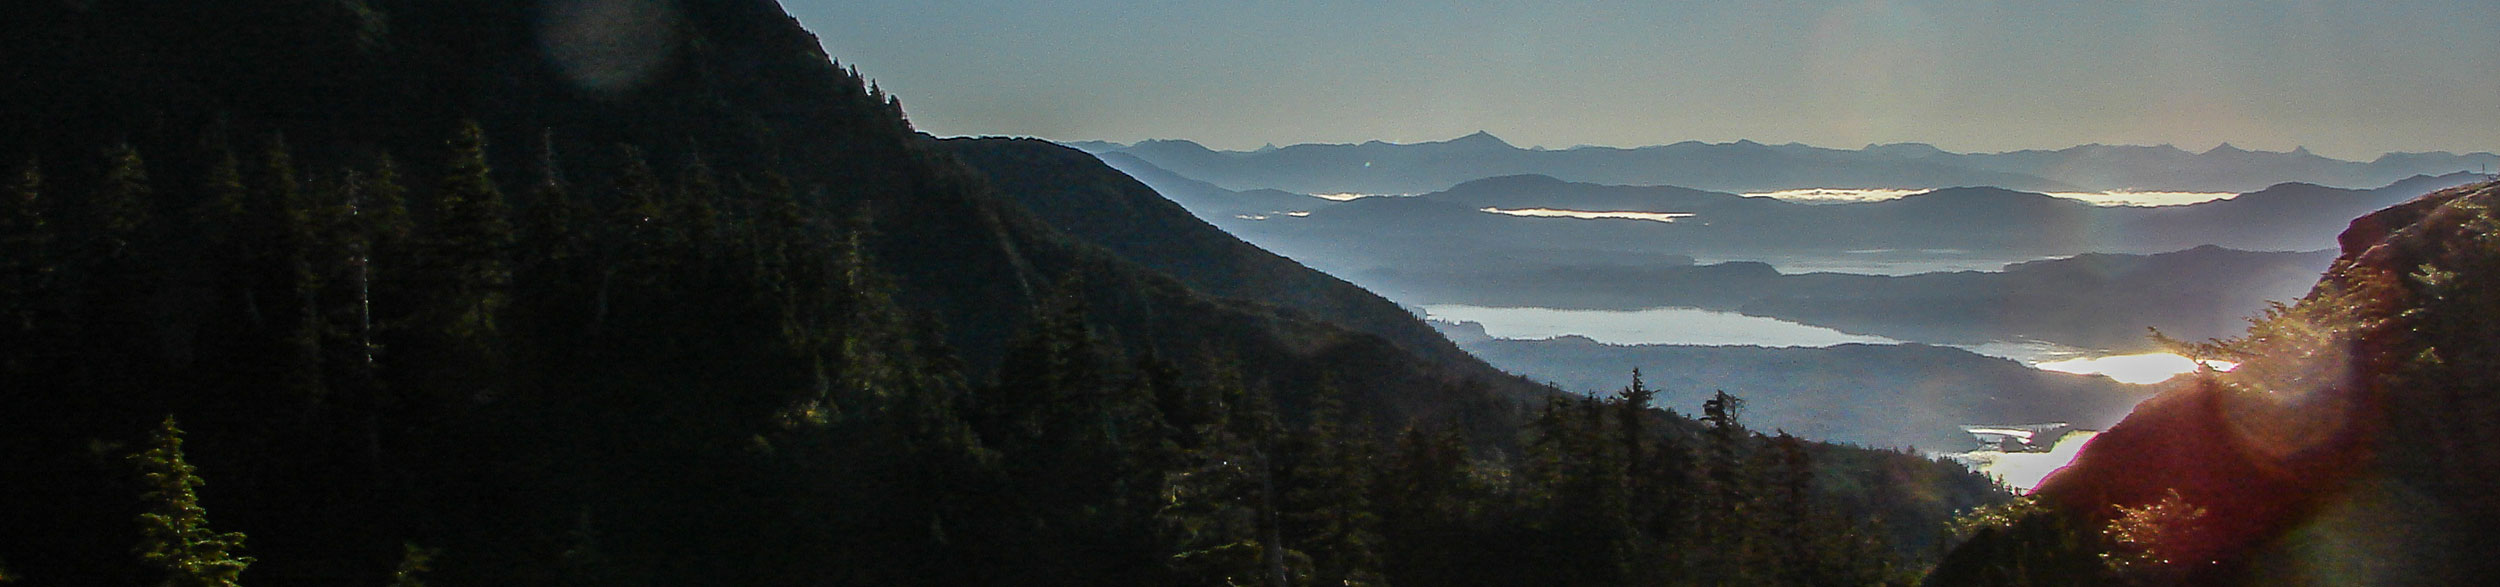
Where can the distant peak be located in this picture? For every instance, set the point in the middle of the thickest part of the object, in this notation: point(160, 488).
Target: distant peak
point(2225, 148)
point(1512, 181)
point(1480, 138)
point(1903, 149)
point(1183, 143)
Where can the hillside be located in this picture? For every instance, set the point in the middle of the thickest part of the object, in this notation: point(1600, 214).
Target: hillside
point(1077, 194)
point(637, 206)
point(2355, 423)
point(337, 291)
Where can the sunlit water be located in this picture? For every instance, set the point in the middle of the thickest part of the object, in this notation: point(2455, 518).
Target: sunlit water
point(1348, 196)
point(1689, 326)
point(2139, 368)
point(1587, 214)
point(2024, 471)
point(1685, 326)
point(2107, 198)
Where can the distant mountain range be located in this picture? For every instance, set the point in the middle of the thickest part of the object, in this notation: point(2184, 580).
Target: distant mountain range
point(2200, 278)
point(1452, 223)
point(1746, 166)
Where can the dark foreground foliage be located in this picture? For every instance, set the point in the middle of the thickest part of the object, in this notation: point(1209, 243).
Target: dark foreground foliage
point(429, 305)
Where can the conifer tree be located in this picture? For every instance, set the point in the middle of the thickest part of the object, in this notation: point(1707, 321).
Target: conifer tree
point(1727, 526)
point(1328, 497)
point(469, 246)
point(26, 270)
point(120, 206)
point(1631, 406)
point(473, 231)
point(696, 206)
point(385, 267)
point(223, 206)
point(289, 289)
point(175, 533)
point(112, 280)
point(547, 232)
point(1426, 496)
point(413, 560)
point(1222, 503)
point(384, 208)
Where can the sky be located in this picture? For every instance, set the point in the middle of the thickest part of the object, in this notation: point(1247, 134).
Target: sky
point(2345, 78)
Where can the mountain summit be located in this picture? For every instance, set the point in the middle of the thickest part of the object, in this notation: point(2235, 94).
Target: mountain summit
point(1479, 140)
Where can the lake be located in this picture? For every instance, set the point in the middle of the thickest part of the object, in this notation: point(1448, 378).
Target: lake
point(1685, 326)
point(1878, 261)
point(1697, 327)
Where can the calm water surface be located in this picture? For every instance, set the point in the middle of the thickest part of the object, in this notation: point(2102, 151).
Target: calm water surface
point(1685, 326)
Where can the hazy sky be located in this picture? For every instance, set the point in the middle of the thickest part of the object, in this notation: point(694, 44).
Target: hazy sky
point(2347, 78)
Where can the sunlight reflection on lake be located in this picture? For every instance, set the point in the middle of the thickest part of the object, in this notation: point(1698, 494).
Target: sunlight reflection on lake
point(2024, 471)
point(1691, 326)
point(1686, 326)
point(2139, 369)
point(1588, 215)
point(2106, 198)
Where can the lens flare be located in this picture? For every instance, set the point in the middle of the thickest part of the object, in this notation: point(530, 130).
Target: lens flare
point(608, 47)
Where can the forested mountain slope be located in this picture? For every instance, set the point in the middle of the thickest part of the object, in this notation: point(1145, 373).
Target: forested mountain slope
point(616, 293)
point(1079, 195)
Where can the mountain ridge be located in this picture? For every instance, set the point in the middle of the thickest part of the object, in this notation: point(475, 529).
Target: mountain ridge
point(1745, 165)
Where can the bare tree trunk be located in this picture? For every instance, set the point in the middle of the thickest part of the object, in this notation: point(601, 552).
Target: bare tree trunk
point(1272, 537)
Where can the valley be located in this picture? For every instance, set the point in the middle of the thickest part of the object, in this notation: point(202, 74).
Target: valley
point(799, 292)
point(1777, 295)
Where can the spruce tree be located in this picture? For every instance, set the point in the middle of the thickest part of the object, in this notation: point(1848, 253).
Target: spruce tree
point(413, 560)
point(470, 243)
point(384, 208)
point(1328, 498)
point(696, 205)
point(120, 206)
point(1727, 526)
point(175, 536)
point(547, 230)
point(289, 289)
point(26, 270)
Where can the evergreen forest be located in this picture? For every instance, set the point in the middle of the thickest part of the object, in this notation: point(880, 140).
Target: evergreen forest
point(402, 292)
